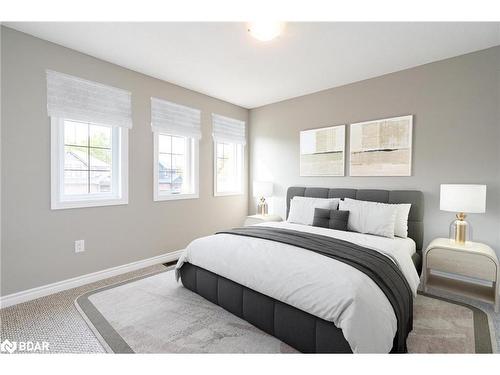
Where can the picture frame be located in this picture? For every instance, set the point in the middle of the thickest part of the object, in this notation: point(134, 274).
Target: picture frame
point(322, 151)
point(381, 147)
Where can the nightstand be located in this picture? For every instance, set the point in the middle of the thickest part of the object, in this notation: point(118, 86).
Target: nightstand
point(256, 219)
point(471, 260)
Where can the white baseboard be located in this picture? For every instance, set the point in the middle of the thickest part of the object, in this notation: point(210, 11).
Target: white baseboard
point(45, 290)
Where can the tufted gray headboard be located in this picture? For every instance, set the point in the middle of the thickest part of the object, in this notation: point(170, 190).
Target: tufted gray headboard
point(416, 198)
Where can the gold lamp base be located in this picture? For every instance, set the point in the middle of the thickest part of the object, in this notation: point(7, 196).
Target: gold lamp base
point(459, 229)
point(262, 207)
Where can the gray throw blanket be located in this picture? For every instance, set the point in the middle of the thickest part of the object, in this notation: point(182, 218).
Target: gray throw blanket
point(382, 270)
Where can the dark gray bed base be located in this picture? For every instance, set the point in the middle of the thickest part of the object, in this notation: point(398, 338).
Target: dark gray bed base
point(305, 332)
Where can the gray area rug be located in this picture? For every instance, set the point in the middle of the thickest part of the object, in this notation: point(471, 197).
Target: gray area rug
point(155, 314)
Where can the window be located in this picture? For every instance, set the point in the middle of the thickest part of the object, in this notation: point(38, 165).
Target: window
point(89, 142)
point(229, 142)
point(229, 168)
point(177, 131)
point(88, 164)
point(176, 167)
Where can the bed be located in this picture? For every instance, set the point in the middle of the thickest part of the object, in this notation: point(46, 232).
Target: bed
point(312, 302)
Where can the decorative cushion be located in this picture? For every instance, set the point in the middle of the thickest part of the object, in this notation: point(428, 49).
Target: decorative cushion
point(370, 217)
point(401, 225)
point(302, 208)
point(333, 219)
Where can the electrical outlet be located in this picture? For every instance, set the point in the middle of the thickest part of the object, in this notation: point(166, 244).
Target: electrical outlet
point(79, 246)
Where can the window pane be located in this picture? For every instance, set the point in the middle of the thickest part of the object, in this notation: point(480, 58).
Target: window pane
point(226, 177)
point(163, 179)
point(75, 157)
point(75, 133)
point(100, 182)
point(164, 172)
point(173, 169)
point(164, 143)
point(220, 150)
point(229, 150)
point(100, 159)
point(178, 145)
point(230, 175)
point(100, 136)
point(165, 162)
point(178, 162)
point(227, 166)
point(88, 171)
point(177, 181)
point(76, 182)
point(220, 175)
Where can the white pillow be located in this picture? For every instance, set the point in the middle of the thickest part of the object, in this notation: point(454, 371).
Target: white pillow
point(370, 217)
point(401, 226)
point(302, 208)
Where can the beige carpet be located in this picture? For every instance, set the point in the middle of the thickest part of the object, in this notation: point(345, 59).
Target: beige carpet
point(54, 318)
point(157, 315)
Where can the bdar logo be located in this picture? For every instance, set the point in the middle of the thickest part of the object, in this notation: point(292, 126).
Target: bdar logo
point(7, 346)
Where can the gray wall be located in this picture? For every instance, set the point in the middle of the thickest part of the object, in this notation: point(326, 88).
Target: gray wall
point(456, 137)
point(37, 243)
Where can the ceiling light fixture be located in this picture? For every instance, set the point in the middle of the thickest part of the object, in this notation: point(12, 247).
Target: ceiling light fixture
point(265, 30)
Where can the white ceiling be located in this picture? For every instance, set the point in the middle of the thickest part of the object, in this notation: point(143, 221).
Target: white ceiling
point(223, 61)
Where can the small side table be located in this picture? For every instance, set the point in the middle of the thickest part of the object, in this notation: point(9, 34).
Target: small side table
point(257, 219)
point(473, 259)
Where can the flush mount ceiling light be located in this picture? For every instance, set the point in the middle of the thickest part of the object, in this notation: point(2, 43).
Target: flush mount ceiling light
point(265, 30)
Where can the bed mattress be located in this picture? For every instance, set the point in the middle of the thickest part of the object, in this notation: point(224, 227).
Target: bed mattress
point(322, 287)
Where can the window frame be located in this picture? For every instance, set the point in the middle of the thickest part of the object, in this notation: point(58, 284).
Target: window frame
point(119, 149)
point(241, 149)
point(193, 156)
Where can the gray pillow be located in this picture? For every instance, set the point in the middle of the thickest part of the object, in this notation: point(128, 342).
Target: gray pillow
point(333, 219)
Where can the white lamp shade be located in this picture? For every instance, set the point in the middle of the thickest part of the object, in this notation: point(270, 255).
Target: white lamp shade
point(463, 198)
point(262, 189)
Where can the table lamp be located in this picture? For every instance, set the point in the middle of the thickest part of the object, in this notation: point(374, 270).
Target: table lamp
point(262, 190)
point(462, 199)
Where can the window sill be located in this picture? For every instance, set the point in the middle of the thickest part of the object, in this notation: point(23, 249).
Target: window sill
point(175, 197)
point(228, 194)
point(84, 204)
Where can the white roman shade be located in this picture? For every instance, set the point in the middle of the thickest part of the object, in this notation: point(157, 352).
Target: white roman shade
point(176, 119)
point(77, 99)
point(229, 130)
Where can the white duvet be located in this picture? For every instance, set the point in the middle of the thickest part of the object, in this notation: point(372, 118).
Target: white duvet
point(311, 282)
